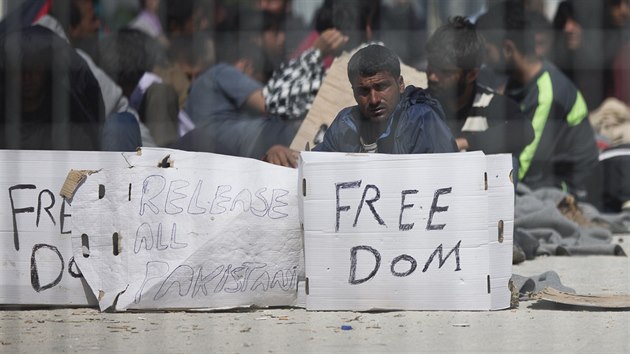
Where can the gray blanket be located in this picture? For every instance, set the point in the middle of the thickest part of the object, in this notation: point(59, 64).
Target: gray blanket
point(540, 228)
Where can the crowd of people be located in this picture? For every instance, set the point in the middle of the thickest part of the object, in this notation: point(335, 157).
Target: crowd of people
point(238, 78)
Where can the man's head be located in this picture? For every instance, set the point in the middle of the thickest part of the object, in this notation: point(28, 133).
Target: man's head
point(568, 23)
point(243, 50)
point(455, 53)
point(374, 73)
point(618, 11)
point(193, 54)
point(126, 55)
point(84, 23)
point(508, 35)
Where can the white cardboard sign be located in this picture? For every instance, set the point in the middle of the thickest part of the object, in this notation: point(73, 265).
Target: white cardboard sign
point(210, 231)
point(36, 262)
point(412, 232)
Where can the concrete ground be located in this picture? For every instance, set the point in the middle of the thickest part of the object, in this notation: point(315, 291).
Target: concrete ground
point(535, 327)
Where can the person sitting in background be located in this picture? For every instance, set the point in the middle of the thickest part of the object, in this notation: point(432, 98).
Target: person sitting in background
point(291, 25)
point(590, 36)
point(227, 106)
point(121, 130)
point(279, 107)
point(148, 20)
point(563, 152)
point(388, 117)
point(129, 57)
point(479, 118)
point(188, 57)
point(85, 24)
point(58, 105)
point(610, 185)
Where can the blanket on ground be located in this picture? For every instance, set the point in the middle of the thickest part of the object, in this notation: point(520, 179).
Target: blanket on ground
point(548, 221)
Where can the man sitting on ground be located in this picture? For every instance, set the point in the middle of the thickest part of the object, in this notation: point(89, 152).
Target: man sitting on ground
point(479, 118)
point(387, 118)
point(563, 152)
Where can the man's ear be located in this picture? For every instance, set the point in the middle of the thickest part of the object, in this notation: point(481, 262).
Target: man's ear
point(509, 49)
point(471, 75)
point(401, 84)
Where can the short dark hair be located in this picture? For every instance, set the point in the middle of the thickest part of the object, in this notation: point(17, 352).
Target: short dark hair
point(564, 12)
point(508, 20)
point(371, 60)
point(456, 43)
point(178, 13)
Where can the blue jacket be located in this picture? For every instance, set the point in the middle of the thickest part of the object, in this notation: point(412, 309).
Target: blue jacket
point(415, 127)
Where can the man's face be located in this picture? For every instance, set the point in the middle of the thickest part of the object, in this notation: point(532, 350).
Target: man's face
point(90, 23)
point(377, 95)
point(273, 42)
point(446, 82)
point(620, 13)
point(572, 34)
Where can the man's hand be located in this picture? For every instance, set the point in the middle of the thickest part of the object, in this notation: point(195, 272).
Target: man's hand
point(462, 144)
point(282, 155)
point(329, 42)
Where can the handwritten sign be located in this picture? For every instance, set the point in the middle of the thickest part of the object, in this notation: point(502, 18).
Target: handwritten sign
point(208, 231)
point(414, 232)
point(36, 262)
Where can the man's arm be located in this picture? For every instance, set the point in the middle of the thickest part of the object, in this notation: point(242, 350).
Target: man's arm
point(293, 87)
point(256, 101)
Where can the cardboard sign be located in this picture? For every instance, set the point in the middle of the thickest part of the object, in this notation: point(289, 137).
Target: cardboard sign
point(334, 95)
point(37, 266)
point(206, 231)
point(412, 232)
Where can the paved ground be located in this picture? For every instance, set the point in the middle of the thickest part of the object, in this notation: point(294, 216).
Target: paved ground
point(535, 327)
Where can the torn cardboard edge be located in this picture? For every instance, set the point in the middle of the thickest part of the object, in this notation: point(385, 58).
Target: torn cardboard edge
point(596, 301)
point(74, 179)
point(166, 162)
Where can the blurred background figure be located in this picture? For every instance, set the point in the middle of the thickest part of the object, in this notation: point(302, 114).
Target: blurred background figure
point(129, 57)
point(610, 183)
point(479, 118)
point(293, 26)
point(563, 152)
point(49, 98)
point(590, 35)
point(227, 106)
point(148, 20)
point(85, 24)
